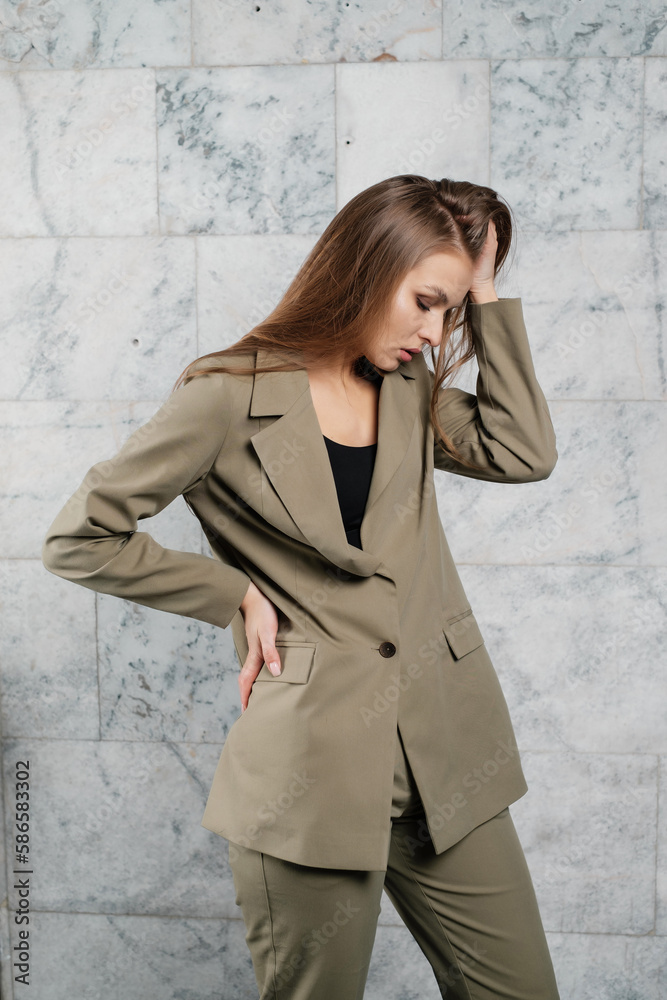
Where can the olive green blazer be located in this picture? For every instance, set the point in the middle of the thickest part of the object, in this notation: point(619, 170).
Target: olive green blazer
point(369, 638)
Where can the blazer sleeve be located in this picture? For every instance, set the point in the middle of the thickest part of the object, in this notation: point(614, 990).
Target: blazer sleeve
point(93, 541)
point(506, 428)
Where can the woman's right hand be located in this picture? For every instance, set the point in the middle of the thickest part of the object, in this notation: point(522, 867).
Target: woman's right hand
point(261, 625)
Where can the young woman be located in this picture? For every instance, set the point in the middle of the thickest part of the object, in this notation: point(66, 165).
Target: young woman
point(374, 748)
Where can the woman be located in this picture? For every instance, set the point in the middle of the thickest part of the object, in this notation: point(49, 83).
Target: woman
point(374, 748)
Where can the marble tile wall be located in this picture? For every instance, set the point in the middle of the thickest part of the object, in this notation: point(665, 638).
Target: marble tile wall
point(165, 167)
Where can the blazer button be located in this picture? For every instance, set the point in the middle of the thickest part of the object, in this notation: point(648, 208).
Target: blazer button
point(387, 649)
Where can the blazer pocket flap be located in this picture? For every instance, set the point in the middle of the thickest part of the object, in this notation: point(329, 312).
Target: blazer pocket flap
point(463, 634)
point(296, 659)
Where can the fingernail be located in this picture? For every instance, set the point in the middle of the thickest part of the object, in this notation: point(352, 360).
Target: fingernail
point(274, 668)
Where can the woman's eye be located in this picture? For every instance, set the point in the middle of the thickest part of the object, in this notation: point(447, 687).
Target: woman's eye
point(422, 306)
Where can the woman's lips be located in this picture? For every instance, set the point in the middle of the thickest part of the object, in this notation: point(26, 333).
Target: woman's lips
point(405, 355)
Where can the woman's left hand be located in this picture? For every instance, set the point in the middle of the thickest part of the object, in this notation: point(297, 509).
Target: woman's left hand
point(482, 288)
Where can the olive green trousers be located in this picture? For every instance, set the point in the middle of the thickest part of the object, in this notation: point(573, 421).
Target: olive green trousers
point(471, 909)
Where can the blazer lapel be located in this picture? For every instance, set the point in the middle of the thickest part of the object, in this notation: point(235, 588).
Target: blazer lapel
point(295, 457)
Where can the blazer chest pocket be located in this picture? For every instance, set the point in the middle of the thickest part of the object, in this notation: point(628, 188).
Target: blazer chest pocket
point(296, 660)
point(462, 634)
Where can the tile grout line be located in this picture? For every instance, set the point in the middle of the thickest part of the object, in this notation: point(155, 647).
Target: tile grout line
point(335, 135)
point(125, 742)
point(656, 877)
point(96, 632)
point(157, 159)
point(490, 120)
point(460, 562)
point(643, 149)
point(601, 57)
point(241, 236)
point(442, 32)
point(192, 37)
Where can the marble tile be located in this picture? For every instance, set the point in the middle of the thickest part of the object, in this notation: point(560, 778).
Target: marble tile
point(379, 132)
point(594, 305)
point(96, 318)
point(85, 33)
point(661, 868)
point(576, 650)
point(47, 648)
point(512, 29)
point(82, 159)
point(609, 966)
point(566, 141)
point(655, 153)
point(116, 827)
point(142, 957)
point(588, 829)
point(246, 149)
point(50, 446)
point(164, 676)
point(240, 279)
point(302, 31)
point(601, 504)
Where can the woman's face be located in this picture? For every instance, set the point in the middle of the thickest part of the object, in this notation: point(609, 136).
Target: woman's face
point(417, 312)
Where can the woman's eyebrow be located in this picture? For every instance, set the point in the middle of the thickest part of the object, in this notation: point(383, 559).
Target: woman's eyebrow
point(438, 292)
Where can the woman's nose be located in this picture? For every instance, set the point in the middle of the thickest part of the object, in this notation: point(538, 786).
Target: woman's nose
point(432, 333)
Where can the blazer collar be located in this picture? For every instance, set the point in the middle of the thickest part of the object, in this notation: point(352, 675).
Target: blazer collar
point(294, 456)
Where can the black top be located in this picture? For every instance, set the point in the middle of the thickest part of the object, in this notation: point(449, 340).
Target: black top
point(352, 468)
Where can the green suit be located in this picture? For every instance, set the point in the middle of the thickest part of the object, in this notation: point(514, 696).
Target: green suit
point(369, 639)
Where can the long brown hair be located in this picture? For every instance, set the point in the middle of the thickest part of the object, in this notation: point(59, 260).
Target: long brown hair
point(345, 287)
